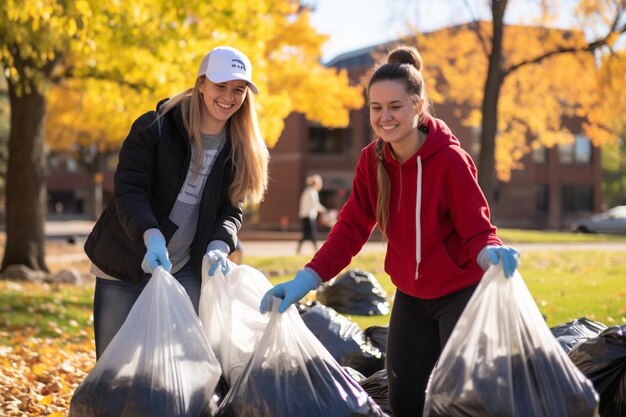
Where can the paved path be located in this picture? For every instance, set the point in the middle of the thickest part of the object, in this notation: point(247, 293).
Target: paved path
point(284, 243)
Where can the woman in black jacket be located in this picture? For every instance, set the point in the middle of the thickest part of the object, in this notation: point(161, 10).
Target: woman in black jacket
point(171, 207)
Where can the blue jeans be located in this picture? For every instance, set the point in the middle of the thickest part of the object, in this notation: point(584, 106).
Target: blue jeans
point(113, 300)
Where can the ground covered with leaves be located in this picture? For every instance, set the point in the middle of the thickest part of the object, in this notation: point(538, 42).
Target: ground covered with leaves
point(46, 339)
point(38, 375)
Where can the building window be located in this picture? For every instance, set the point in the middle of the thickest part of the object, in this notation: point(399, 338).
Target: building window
point(328, 141)
point(576, 199)
point(542, 198)
point(577, 152)
point(540, 155)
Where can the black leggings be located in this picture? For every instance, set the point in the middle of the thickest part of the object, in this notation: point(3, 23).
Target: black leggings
point(309, 230)
point(418, 330)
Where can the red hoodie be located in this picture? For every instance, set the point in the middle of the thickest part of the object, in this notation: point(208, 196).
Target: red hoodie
point(436, 255)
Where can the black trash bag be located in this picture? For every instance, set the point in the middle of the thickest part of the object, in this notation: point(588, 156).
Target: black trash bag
point(572, 333)
point(377, 335)
point(356, 375)
point(291, 374)
point(501, 360)
point(135, 396)
point(354, 292)
point(220, 391)
point(377, 386)
point(158, 364)
point(603, 360)
point(344, 339)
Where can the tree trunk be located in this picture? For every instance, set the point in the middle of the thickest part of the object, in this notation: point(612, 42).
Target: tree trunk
point(94, 169)
point(25, 181)
point(489, 128)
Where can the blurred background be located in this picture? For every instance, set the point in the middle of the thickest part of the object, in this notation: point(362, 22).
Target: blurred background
point(532, 89)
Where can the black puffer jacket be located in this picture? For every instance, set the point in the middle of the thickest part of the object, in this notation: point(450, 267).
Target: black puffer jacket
point(150, 173)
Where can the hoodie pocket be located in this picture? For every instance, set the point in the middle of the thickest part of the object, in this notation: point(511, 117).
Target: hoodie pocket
point(439, 263)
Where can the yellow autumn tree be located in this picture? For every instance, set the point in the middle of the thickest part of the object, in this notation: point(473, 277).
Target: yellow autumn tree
point(285, 51)
point(607, 118)
point(607, 124)
point(518, 62)
point(533, 101)
point(106, 62)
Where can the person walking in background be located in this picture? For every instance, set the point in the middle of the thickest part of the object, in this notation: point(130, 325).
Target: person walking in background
point(420, 187)
point(308, 210)
point(184, 172)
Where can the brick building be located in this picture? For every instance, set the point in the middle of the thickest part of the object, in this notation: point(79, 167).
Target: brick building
point(556, 185)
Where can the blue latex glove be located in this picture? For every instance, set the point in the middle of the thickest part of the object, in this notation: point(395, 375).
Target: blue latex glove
point(290, 291)
point(509, 257)
point(217, 259)
point(156, 254)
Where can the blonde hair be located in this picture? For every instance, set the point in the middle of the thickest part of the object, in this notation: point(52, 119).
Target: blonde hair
point(404, 63)
point(249, 153)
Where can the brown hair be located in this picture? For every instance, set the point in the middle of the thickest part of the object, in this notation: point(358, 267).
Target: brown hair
point(404, 63)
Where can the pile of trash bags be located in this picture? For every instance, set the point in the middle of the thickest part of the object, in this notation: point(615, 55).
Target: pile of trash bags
point(230, 361)
point(312, 361)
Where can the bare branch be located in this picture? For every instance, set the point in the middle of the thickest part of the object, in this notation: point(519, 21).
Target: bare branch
point(590, 47)
point(475, 26)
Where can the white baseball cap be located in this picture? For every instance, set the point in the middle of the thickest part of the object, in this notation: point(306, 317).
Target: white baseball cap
point(224, 63)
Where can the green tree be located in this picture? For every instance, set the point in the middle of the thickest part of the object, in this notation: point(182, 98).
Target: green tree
point(614, 172)
point(132, 53)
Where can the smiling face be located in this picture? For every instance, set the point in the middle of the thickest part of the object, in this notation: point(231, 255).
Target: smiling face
point(221, 101)
point(394, 115)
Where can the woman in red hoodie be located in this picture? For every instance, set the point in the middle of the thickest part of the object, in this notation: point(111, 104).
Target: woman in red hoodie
point(420, 187)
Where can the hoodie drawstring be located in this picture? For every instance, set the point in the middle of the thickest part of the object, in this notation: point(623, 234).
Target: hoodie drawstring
point(418, 209)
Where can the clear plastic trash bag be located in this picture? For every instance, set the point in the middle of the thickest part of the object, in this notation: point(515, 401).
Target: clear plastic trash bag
point(502, 360)
point(229, 312)
point(292, 374)
point(158, 363)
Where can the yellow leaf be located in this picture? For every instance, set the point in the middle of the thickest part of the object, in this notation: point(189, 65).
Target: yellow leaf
point(46, 400)
point(39, 369)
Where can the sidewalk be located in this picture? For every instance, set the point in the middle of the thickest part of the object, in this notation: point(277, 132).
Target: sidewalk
point(81, 228)
point(254, 243)
point(281, 243)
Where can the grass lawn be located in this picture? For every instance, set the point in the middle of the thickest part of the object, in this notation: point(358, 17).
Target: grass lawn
point(512, 236)
point(566, 285)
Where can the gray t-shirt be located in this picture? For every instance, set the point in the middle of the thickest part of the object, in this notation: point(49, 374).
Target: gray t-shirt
point(186, 208)
point(185, 212)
